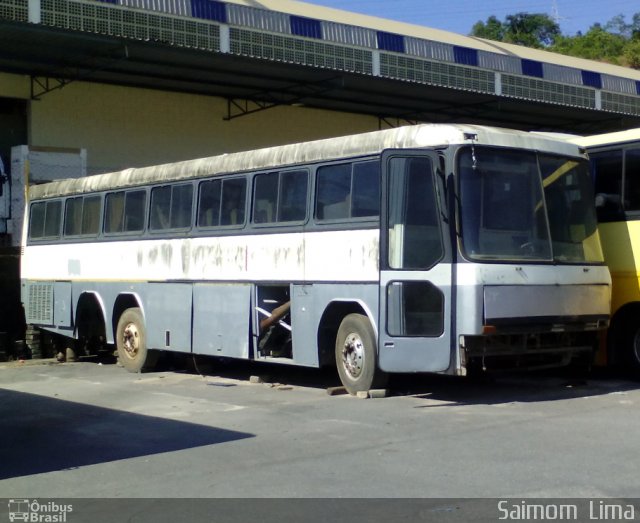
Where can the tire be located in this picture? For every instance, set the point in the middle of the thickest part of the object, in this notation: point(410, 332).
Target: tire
point(131, 341)
point(631, 352)
point(356, 355)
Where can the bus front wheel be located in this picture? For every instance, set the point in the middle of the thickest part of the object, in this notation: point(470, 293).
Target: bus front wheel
point(356, 357)
point(631, 356)
point(131, 340)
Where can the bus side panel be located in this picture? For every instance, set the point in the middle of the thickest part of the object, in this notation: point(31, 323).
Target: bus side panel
point(62, 310)
point(622, 254)
point(167, 311)
point(221, 315)
point(309, 303)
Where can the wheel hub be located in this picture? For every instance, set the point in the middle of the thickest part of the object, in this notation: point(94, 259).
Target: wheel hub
point(131, 340)
point(353, 355)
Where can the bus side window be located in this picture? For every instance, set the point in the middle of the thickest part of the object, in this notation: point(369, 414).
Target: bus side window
point(607, 172)
point(292, 202)
point(114, 212)
point(209, 203)
point(265, 197)
point(234, 195)
point(333, 192)
point(181, 206)
point(366, 189)
point(632, 179)
point(91, 215)
point(73, 217)
point(134, 211)
point(160, 208)
point(45, 219)
point(36, 220)
point(82, 216)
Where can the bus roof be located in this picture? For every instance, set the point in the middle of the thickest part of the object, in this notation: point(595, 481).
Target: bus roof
point(409, 137)
point(595, 140)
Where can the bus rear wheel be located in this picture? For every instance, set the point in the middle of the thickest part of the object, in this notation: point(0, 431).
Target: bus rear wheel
point(131, 341)
point(356, 357)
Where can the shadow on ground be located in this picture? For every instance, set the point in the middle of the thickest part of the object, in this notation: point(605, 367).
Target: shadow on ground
point(41, 434)
point(498, 388)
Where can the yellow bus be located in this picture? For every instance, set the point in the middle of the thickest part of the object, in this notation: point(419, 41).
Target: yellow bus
point(615, 168)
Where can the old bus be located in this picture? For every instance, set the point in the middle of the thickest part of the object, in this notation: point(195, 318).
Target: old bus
point(430, 248)
point(615, 169)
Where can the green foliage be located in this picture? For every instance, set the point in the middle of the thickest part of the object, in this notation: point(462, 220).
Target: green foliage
point(616, 42)
point(492, 29)
point(595, 44)
point(632, 54)
point(531, 30)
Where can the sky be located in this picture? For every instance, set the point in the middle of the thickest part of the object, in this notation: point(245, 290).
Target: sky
point(459, 16)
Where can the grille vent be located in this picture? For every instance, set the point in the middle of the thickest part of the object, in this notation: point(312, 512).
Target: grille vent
point(300, 51)
point(127, 23)
point(543, 91)
point(40, 303)
point(436, 73)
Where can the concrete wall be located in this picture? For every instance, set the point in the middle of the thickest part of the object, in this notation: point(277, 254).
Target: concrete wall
point(121, 127)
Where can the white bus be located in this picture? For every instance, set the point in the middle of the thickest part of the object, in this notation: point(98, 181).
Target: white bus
point(431, 248)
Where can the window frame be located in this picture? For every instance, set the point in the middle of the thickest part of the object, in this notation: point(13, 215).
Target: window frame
point(280, 173)
point(222, 180)
point(46, 203)
point(83, 207)
point(353, 164)
point(126, 192)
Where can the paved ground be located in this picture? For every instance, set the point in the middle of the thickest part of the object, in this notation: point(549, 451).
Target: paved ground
point(88, 430)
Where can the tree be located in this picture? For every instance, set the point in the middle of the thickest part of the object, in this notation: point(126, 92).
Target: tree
point(616, 42)
point(532, 30)
point(492, 29)
point(632, 53)
point(595, 44)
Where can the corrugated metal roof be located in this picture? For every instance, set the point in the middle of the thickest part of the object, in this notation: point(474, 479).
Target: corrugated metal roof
point(417, 31)
point(277, 52)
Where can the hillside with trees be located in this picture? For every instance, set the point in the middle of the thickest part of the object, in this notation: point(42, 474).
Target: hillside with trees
point(616, 42)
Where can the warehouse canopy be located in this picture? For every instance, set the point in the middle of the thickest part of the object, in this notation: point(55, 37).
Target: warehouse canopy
point(258, 54)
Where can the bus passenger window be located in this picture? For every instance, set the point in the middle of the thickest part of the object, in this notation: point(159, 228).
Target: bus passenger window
point(234, 194)
point(222, 202)
point(124, 211)
point(209, 203)
point(632, 180)
point(134, 211)
point(91, 215)
point(171, 207)
point(292, 203)
point(366, 189)
point(160, 208)
point(73, 217)
point(333, 192)
point(44, 221)
point(607, 173)
point(181, 205)
point(36, 220)
point(113, 214)
point(265, 198)
point(52, 219)
point(82, 216)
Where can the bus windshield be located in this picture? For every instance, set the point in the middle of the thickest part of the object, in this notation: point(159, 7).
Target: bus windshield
point(519, 205)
